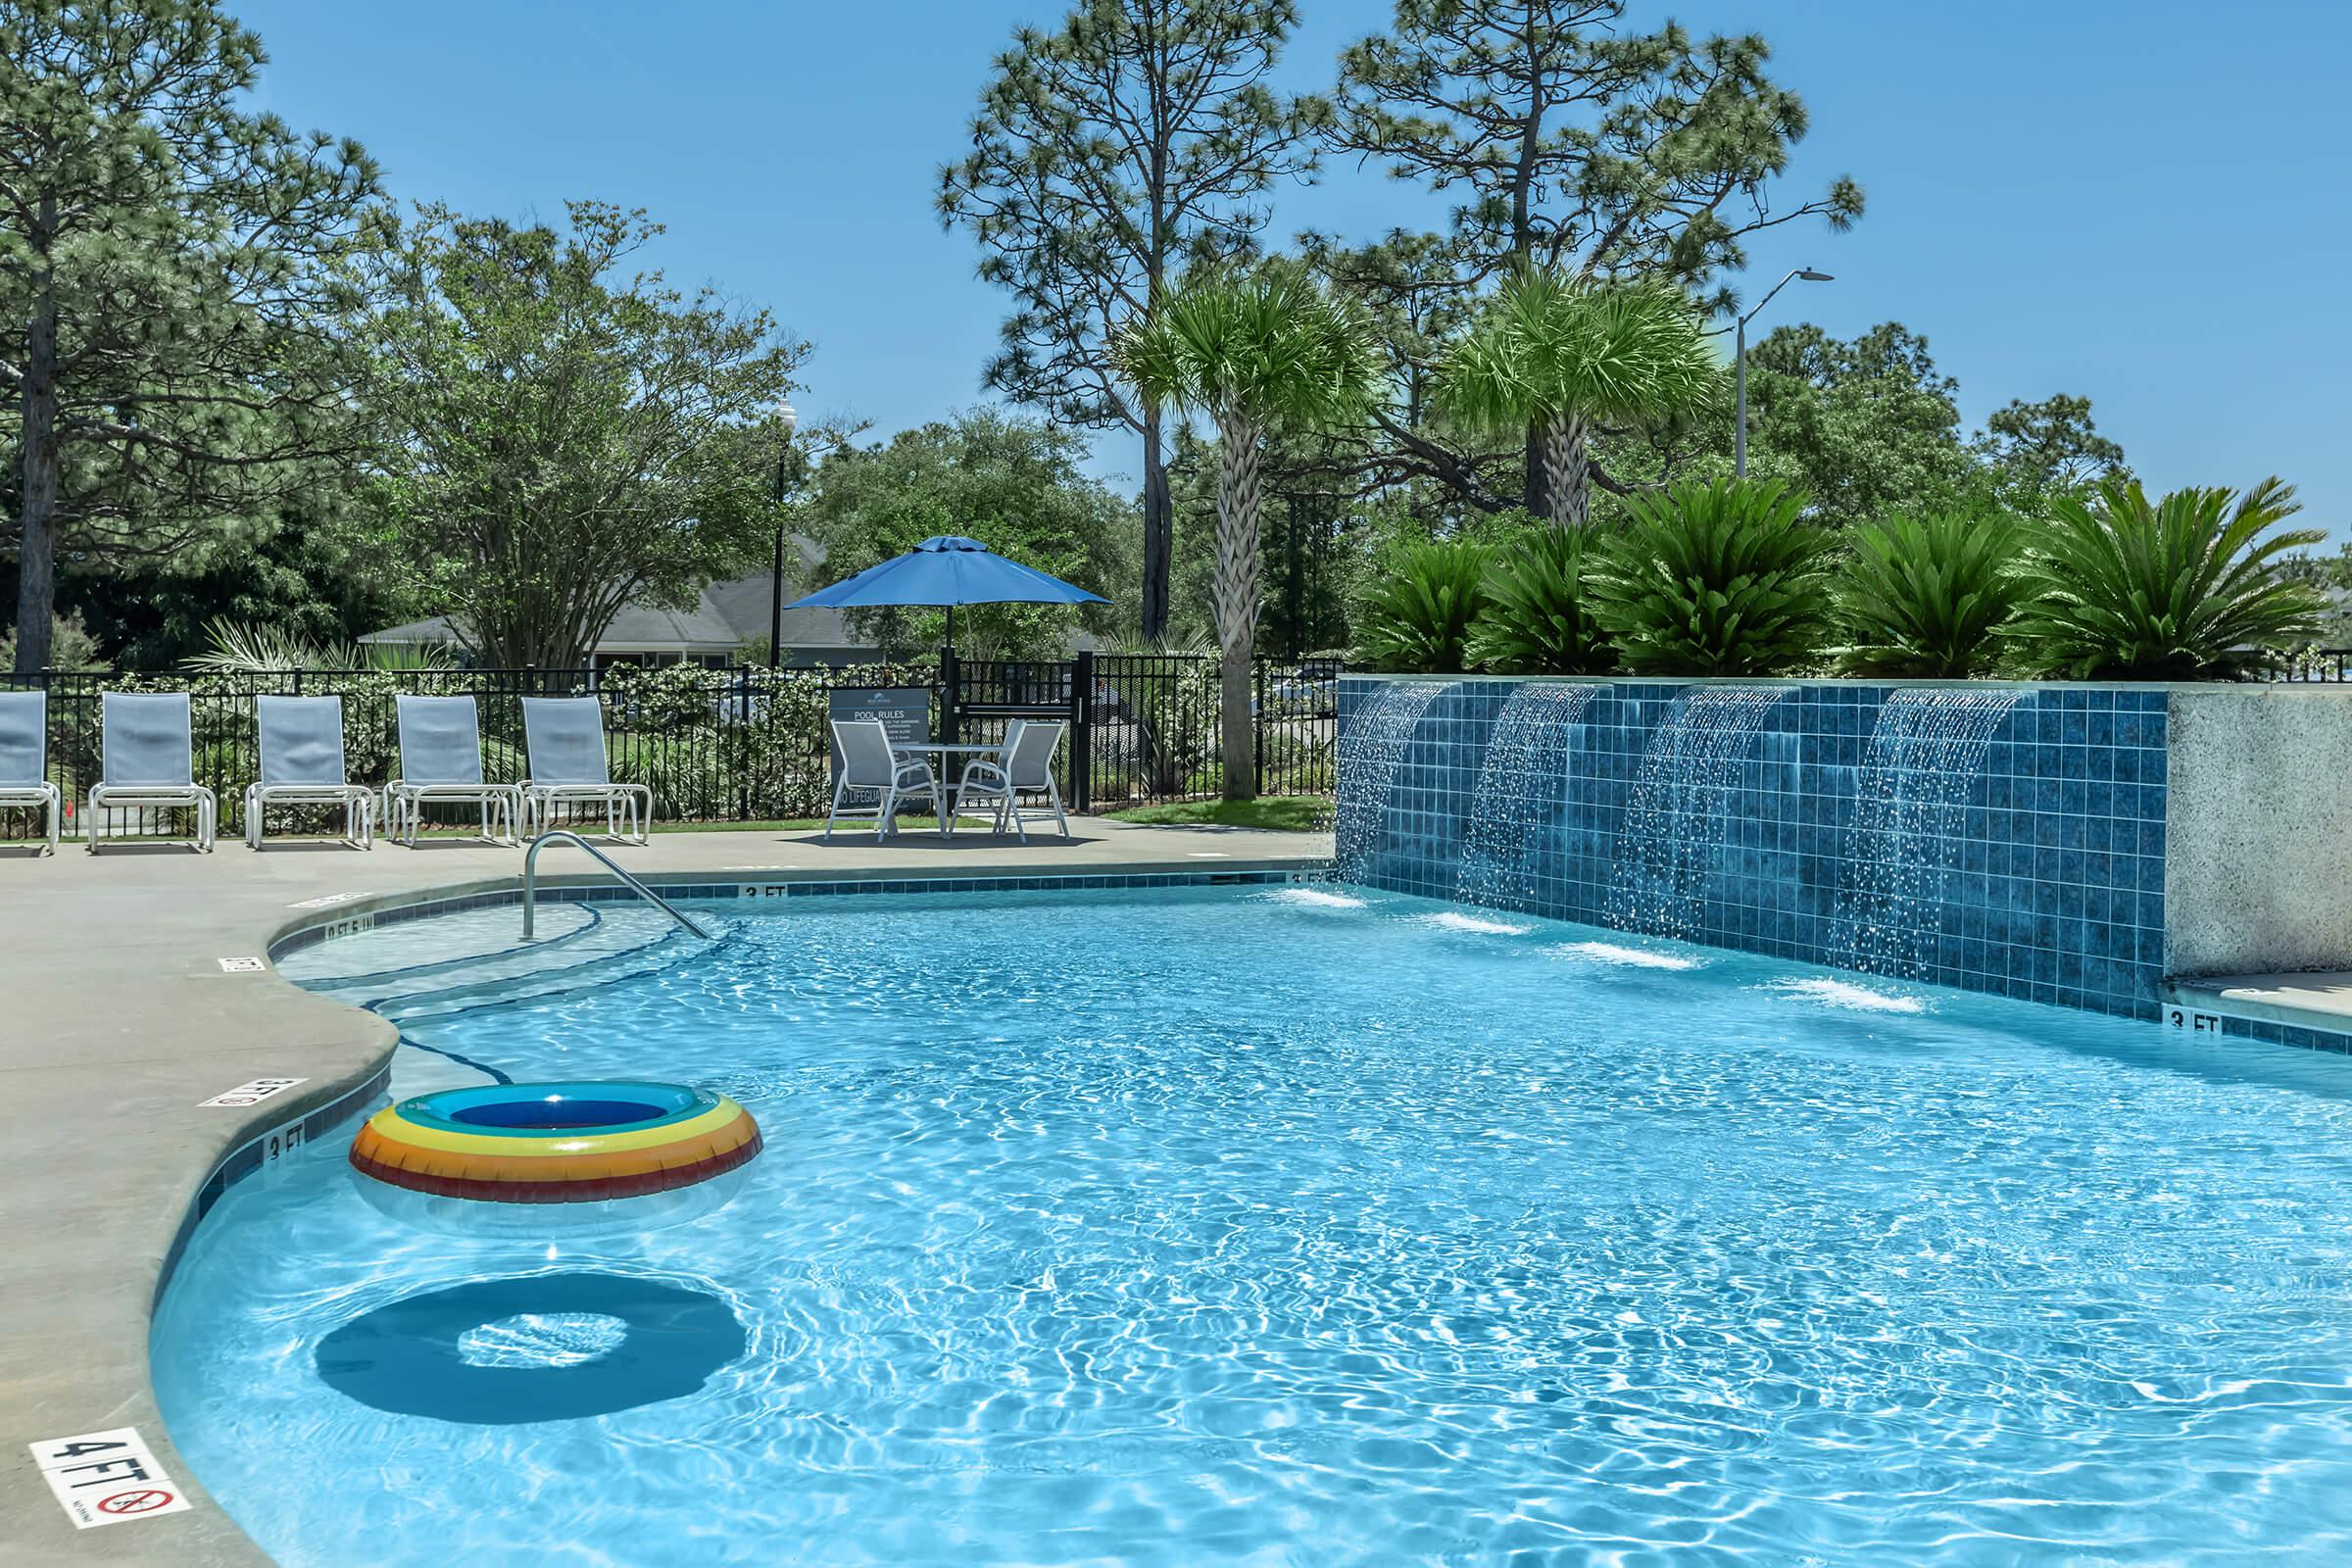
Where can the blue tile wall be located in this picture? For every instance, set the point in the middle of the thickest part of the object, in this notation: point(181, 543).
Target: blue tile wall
point(2282, 1034)
point(2051, 891)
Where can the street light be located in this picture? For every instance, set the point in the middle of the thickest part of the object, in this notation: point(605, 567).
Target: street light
point(790, 419)
point(1739, 420)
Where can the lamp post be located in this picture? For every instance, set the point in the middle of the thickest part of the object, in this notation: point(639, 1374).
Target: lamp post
point(788, 417)
point(1740, 359)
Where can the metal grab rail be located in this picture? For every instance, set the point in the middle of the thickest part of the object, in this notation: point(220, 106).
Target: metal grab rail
point(530, 881)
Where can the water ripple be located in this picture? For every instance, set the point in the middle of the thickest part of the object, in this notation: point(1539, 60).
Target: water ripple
point(1156, 1230)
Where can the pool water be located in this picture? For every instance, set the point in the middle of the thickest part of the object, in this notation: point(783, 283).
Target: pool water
point(1308, 1226)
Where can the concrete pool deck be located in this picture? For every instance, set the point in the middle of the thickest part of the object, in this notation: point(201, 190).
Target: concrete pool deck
point(116, 1018)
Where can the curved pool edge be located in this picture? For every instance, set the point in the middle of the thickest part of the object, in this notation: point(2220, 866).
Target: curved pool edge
point(120, 1020)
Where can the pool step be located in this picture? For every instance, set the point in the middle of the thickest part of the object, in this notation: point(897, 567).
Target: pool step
point(658, 944)
point(438, 945)
point(608, 932)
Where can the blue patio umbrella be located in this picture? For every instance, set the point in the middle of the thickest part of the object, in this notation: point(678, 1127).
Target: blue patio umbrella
point(944, 572)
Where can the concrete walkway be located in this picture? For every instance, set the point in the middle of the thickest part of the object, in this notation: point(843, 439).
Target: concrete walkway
point(2320, 1001)
point(116, 1018)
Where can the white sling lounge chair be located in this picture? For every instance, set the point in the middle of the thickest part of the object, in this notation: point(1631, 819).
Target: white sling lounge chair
point(25, 757)
point(302, 764)
point(441, 760)
point(569, 766)
point(146, 761)
point(869, 764)
point(1024, 767)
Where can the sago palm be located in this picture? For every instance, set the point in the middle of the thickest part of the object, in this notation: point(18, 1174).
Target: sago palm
point(1255, 352)
point(1562, 357)
point(1929, 597)
point(1420, 615)
point(2168, 590)
point(1714, 579)
point(1539, 618)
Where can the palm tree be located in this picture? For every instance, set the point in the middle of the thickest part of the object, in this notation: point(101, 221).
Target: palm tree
point(1563, 356)
point(1255, 352)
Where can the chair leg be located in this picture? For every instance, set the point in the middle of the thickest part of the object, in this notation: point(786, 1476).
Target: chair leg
point(888, 819)
point(834, 814)
point(1053, 794)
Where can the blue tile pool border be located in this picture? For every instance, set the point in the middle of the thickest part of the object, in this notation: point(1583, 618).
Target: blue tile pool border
point(2052, 890)
point(337, 920)
point(249, 1158)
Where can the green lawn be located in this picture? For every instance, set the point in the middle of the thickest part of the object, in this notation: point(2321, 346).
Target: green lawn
point(1285, 814)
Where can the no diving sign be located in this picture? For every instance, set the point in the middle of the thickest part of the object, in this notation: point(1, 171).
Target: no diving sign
point(103, 1478)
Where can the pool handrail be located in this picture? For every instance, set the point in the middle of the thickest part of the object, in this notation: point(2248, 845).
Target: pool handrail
point(530, 881)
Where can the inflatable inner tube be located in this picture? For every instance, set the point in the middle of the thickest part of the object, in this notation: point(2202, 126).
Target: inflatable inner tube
point(556, 1143)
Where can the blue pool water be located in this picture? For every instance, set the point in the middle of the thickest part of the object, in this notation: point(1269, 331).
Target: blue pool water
point(1292, 1226)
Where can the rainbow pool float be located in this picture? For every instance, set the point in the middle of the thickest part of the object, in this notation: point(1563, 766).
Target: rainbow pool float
point(556, 1143)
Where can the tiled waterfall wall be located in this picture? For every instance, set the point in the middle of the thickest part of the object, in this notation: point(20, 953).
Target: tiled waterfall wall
point(2052, 889)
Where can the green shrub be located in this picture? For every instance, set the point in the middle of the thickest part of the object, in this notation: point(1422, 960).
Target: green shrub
point(1538, 619)
point(1929, 597)
point(1418, 615)
point(2171, 590)
point(1717, 579)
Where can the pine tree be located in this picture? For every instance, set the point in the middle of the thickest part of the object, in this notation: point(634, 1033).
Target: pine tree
point(174, 275)
point(1107, 154)
point(1572, 143)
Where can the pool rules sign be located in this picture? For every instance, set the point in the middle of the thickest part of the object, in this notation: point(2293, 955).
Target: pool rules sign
point(103, 1478)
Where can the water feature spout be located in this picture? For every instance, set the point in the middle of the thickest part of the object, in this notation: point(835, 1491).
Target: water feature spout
point(1369, 756)
point(1673, 831)
point(1519, 785)
point(1924, 755)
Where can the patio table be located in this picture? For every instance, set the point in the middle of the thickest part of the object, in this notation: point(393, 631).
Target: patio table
point(944, 752)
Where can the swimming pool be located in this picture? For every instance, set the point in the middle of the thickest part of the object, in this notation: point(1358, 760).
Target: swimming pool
point(1300, 1226)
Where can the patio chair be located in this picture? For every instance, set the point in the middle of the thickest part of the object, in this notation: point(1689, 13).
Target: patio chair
point(302, 764)
point(25, 757)
point(441, 760)
point(869, 764)
point(566, 736)
point(1024, 767)
point(146, 761)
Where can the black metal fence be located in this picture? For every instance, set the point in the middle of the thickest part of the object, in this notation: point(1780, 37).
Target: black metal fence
point(746, 743)
point(2312, 664)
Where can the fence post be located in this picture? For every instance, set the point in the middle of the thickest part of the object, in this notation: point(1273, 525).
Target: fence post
point(740, 744)
point(1082, 731)
point(951, 677)
point(1257, 727)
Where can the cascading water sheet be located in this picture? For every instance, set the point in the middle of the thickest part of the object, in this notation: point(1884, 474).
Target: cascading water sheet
point(1925, 753)
point(1519, 785)
point(1674, 824)
point(1369, 756)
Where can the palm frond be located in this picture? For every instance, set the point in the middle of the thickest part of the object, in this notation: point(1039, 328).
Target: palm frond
point(2187, 587)
point(1931, 597)
point(1547, 347)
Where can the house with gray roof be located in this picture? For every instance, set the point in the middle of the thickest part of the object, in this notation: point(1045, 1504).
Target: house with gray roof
point(726, 616)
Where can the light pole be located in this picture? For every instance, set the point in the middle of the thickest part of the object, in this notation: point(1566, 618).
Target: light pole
point(1739, 362)
point(790, 419)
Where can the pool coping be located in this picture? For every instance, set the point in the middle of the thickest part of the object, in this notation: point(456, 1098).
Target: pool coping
point(119, 1020)
point(2311, 1010)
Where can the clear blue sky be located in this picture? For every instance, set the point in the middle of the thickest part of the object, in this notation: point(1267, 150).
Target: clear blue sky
point(2140, 199)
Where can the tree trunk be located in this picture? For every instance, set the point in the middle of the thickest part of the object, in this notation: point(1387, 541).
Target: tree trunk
point(1159, 533)
point(1237, 598)
point(36, 559)
point(1567, 474)
point(1536, 495)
